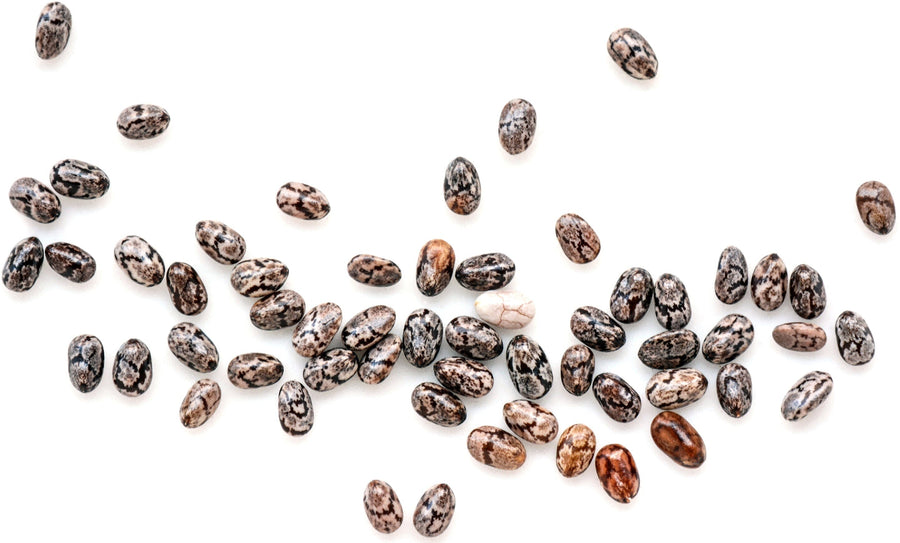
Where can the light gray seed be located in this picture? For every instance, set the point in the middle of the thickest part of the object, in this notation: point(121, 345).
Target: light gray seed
point(140, 261)
point(70, 261)
point(379, 360)
point(295, 409)
point(596, 329)
point(35, 200)
point(23, 265)
point(330, 369)
point(473, 338)
point(434, 511)
point(368, 327)
point(530, 421)
point(142, 121)
point(278, 310)
point(730, 337)
point(77, 179)
point(769, 283)
point(193, 348)
point(316, 329)
point(86, 359)
point(799, 336)
point(422, 336)
point(373, 270)
point(132, 370)
point(528, 367)
point(254, 370)
point(734, 389)
point(302, 201)
point(673, 307)
point(669, 350)
point(220, 242)
point(518, 122)
point(382, 507)
point(854, 338)
point(464, 377)
point(576, 370)
point(200, 402)
point(462, 188)
point(732, 276)
point(671, 389)
point(807, 394)
point(579, 242)
point(53, 28)
point(630, 299)
point(489, 271)
point(258, 277)
point(616, 397)
point(632, 53)
point(438, 405)
point(807, 292)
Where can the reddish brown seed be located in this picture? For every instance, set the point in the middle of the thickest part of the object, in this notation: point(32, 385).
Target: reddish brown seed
point(575, 450)
point(496, 448)
point(678, 439)
point(618, 473)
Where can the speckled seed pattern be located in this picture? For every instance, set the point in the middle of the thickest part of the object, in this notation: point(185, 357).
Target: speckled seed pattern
point(295, 409)
point(220, 242)
point(518, 121)
point(77, 179)
point(473, 338)
point(382, 507)
point(377, 363)
point(618, 473)
point(530, 421)
point(373, 270)
point(316, 329)
point(302, 201)
point(876, 207)
point(422, 336)
point(277, 310)
point(70, 261)
point(807, 394)
point(669, 350)
point(35, 200)
point(434, 511)
point(489, 271)
point(671, 389)
point(496, 448)
point(132, 370)
point(576, 370)
point(193, 348)
point(53, 27)
point(575, 450)
point(86, 359)
point(142, 121)
point(678, 439)
point(854, 338)
point(528, 367)
point(140, 261)
point(438, 405)
point(464, 377)
point(617, 398)
point(254, 370)
point(579, 242)
point(258, 277)
point(186, 290)
point(200, 402)
point(769, 283)
point(673, 307)
point(630, 299)
point(799, 336)
point(23, 265)
point(368, 327)
point(807, 292)
point(734, 389)
point(632, 53)
point(330, 369)
point(730, 337)
point(462, 188)
point(732, 276)
point(507, 309)
point(596, 329)
point(434, 268)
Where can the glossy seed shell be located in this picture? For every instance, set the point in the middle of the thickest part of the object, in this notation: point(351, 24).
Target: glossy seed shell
point(854, 338)
point(669, 350)
point(617, 398)
point(528, 367)
point(438, 405)
point(379, 360)
point(277, 310)
point(575, 450)
point(142, 121)
point(518, 122)
point(434, 511)
point(86, 359)
point(193, 348)
point(302, 201)
point(53, 28)
point(220, 242)
point(769, 283)
point(579, 242)
point(186, 290)
point(530, 421)
point(330, 369)
point(618, 473)
point(77, 179)
point(382, 507)
point(295, 409)
point(807, 292)
point(368, 327)
point(576, 369)
point(254, 370)
point(732, 276)
point(734, 388)
point(680, 441)
point(434, 268)
point(462, 188)
point(730, 337)
point(464, 377)
point(132, 370)
point(876, 207)
point(373, 270)
point(473, 338)
point(673, 306)
point(422, 336)
point(799, 336)
point(23, 265)
point(807, 394)
point(671, 389)
point(489, 271)
point(631, 297)
point(596, 329)
point(316, 329)
point(258, 277)
point(496, 448)
point(200, 402)
point(34, 200)
point(632, 53)
point(506, 309)
point(140, 261)
point(70, 261)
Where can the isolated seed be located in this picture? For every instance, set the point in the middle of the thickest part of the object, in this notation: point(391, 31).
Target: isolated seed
point(35, 200)
point(876, 207)
point(23, 266)
point(579, 242)
point(462, 188)
point(575, 450)
point(799, 336)
point(302, 201)
point(518, 121)
point(77, 179)
point(221, 242)
point(70, 261)
point(854, 338)
point(382, 507)
point(632, 53)
point(732, 276)
point(434, 511)
point(807, 394)
point(142, 121)
point(53, 29)
point(200, 402)
point(373, 270)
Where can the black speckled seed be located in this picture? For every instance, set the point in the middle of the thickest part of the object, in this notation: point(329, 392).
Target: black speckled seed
point(807, 394)
point(462, 189)
point(576, 370)
point(368, 327)
point(254, 370)
point(854, 338)
point(669, 350)
point(302, 201)
point(434, 511)
point(86, 359)
point(258, 277)
point(518, 121)
point(671, 389)
point(422, 336)
point(187, 291)
point(77, 179)
point(200, 403)
point(140, 261)
point(53, 28)
point(23, 266)
point(277, 310)
point(473, 338)
point(142, 121)
point(799, 336)
point(632, 53)
point(769, 283)
point(464, 377)
point(373, 270)
point(330, 369)
point(316, 329)
point(496, 448)
point(530, 421)
point(295, 409)
point(734, 389)
point(579, 242)
point(673, 307)
point(434, 268)
point(436, 404)
point(382, 507)
point(132, 371)
point(596, 329)
point(221, 242)
point(489, 271)
point(193, 348)
point(730, 337)
point(807, 292)
point(732, 276)
point(70, 261)
point(35, 200)
point(617, 398)
point(630, 299)
point(876, 207)
point(528, 367)
point(379, 360)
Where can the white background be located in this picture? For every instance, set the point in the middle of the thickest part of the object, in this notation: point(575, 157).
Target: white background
point(761, 124)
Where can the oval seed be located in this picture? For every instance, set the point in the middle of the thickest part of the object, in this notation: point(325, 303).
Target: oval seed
point(200, 402)
point(254, 370)
point(734, 389)
point(373, 270)
point(518, 121)
point(140, 261)
point(295, 409)
point(807, 292)
point(769, 283)
point(618, 473)
point(673, 307)
point(277, 310)
point(382, 507)
point(53, 27)
point(379, 360)
point(193, 348)
point(528, 367)
point(132, 370)
point(23, 265)
point(422, 336)
point(77, 179)
point(617, 398)
point(221, 242)
point(596, 329)
point(464, 377)
point(671, 389)
point(34, 200)
point(579, 242)
point(530, 421)
point(576, 370)
point(632, 53)
point(186, 290)
point(302, 201)
point(489, 271)
point(330, 369)
point(730, 337)
point(575, 450)
point(368, 327)
point(854, 338)
point(731, 276)
point(438, 405)
point(434, 267)
point(86, 359)
point(876, 207)
point(669, 350)
point(799, 336)
point(678, 439)
point(631, 297)
point(473, 338)
point(807, 394)
point(316, 329)
point(505, 308)
point(462, 189)
point(70, 261)
point(142, 121)
point(496, 448)
point(434, 511)
point(258, 277)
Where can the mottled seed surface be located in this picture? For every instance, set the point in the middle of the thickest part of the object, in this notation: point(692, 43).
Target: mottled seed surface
point(302, 201)
point(434, 511)
point(438, 405)
point(734, 389)
point(422, 336)
point(316, 329)
point(193, 348)
point(673, 307)
point(530, 421)
point(86, 359)
point(473, 338)
point(876, 207)
point(617, 398)
point(799, 336)
point(35, 200)
point(464, 377)
point(854, 338)
point(258, 277)
point(221, 242)
point(807, 394)
point(368, 327)
point(278, 310)
point(142, 121)
point(132, 370)
point(462, 188)
point(807, 292)
point(496, 448)
point(200, 402)
point(434, 268)
point(669, 350)
point(382, 507)
point(140, 261)
point(732, 276)
point(295, 409)
point(579, 242)
point(632, 53)
point(70, 261)
point(576, 370)
point(575, 450)
point(254, 370)
point(618, 473)
point(730, 337)
point(489, 271)
point(769, 283)
point(671, 389)
point(373, 270)
point(596, 329)
point(528, 367)
point(507, 309)
point(330, 369)
point(186, 290)
point(23, 265)
point(680, 441)
point(630, 299)
point(518, 121)
point(77, 179)
point(53, 28)
point(377, 363)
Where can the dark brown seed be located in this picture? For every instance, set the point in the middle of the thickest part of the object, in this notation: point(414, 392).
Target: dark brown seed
point(575, 450)
point(577, 239)
point(221, 242)
point(734, 389)
point(258, 277)
point(669, 350)
point(200, 402)
point(854, 338)
point(373, 270)
point(316, 329)
point(530, 421)
point(186, 290)
point(807, 292)
point(769, 283)
point(617, 398)
point(436, 404)
point(596, 329)
point(518, 121)
point(528, 367)
point(496, 448)
point(632, 53)
point(464, 377)
point(618, 473)
point(799, 336)
point(368, 327)
point(731, 276)
point(462, 189)
point(490, 271)
point(422, 336)
point(630, 299)
point(576, 370)
point(382, 507)
point(86, 359)
point(140, 261)
point(330, 369)
point(473, 338)
point(53, 28)
point(77, 179)
point(70, 261)
point(34, 200)
point(277, 310)
point(142, 121)
point(434, 511)
point(295, 409)
point(678, 439)
point(254, 370)
point(671, 389)
point(193, 347)
point(302, 201)
point(730, 337)
point(23, 266)
point(807, 394)
point(434, 268)
point(379, 360)
point(133, 368)
point(876, 207)
point(673, 307)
